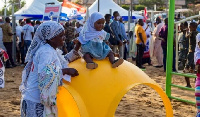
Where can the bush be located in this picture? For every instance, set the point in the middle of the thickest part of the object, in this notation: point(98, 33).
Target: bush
point(139, 7)
point(77, 2)
point(125, 7)
point(161, 9)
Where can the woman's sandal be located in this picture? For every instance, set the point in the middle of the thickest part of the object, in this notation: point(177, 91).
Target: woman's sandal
point(91, 65)
point(117, 63)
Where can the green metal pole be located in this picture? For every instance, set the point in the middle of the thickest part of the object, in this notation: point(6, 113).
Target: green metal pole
point(185, 75)
point(170, 46)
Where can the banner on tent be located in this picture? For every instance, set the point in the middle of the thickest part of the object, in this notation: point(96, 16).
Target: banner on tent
point(52, 12)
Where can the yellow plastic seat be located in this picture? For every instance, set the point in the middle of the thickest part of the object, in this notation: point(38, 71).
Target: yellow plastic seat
point(97, 93)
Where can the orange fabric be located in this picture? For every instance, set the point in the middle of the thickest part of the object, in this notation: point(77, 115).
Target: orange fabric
point(68, 4)
point(139, 29)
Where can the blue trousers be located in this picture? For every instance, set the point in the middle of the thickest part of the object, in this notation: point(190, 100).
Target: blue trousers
point(27, 44)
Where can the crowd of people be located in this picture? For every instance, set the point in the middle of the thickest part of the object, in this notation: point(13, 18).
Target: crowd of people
point(100, 37)
point(141, 44)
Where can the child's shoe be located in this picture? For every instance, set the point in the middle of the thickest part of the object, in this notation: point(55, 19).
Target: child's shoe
point(92, 65)
point(117, 63)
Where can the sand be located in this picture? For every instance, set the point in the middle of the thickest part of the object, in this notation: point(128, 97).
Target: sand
point(141, 101)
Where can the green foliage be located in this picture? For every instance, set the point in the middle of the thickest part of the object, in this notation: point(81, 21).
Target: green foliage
point(139, 7)
point(77, 2)
point(150, 3)
point(16, 7)
point(125, 7)
point(161, 8)
point(190, 1)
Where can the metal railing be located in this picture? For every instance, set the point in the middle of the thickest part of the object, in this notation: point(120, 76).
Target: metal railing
point(169, 72)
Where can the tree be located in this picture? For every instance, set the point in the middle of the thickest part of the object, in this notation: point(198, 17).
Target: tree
point(16, 7)
point(150, 3)
point(190, 1)
point(126, 6)
point(139, 7)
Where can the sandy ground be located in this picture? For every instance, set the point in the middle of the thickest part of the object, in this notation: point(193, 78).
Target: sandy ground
point(141, 101)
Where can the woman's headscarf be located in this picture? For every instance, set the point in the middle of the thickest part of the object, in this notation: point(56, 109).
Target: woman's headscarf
point(89, 32)
point(197, 49)
point(46, 31)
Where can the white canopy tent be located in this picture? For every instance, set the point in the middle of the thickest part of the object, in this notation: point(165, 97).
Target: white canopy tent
point(34, 9)
point(106, 5)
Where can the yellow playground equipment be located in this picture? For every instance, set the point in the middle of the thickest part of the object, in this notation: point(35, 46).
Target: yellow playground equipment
point(97, 93)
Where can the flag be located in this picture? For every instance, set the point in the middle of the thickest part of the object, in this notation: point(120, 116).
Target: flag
point(145, 13)
point(71, 5)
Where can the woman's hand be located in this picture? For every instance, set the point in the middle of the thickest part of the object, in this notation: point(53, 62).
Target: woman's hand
point(70, 71)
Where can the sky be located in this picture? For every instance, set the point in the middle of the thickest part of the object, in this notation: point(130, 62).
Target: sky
point(2, 3)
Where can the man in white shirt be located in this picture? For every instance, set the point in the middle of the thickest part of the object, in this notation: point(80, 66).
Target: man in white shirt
point(19, 30)
point(27, 35)
point(78, 28)
point(37, 25)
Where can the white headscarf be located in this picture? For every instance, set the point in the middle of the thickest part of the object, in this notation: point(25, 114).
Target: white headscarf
point(197, 49)
point(46, 31)
point(89, 32)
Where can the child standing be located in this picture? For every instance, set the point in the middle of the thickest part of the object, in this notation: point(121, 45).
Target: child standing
point(92, 40)
point(197, 84)
point(190, 65)
point(192, 44)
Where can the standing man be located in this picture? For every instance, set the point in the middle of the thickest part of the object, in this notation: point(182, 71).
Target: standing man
point(19, 30)
point(27, 35)
point(108, 29)
point(140, 41)
point(116, 31)
point(79, 27)
point(183, 42)
point(7, 41)
point(163, 36)
point(107, 23)
point(124, 38)
point(37, 25)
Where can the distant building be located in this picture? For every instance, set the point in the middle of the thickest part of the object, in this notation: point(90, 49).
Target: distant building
point(180, 3)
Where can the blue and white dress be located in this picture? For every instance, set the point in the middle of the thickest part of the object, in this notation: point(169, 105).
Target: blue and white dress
point(97, 47)
point(92, 40)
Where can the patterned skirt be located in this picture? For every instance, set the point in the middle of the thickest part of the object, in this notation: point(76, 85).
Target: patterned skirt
point(31, 109)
